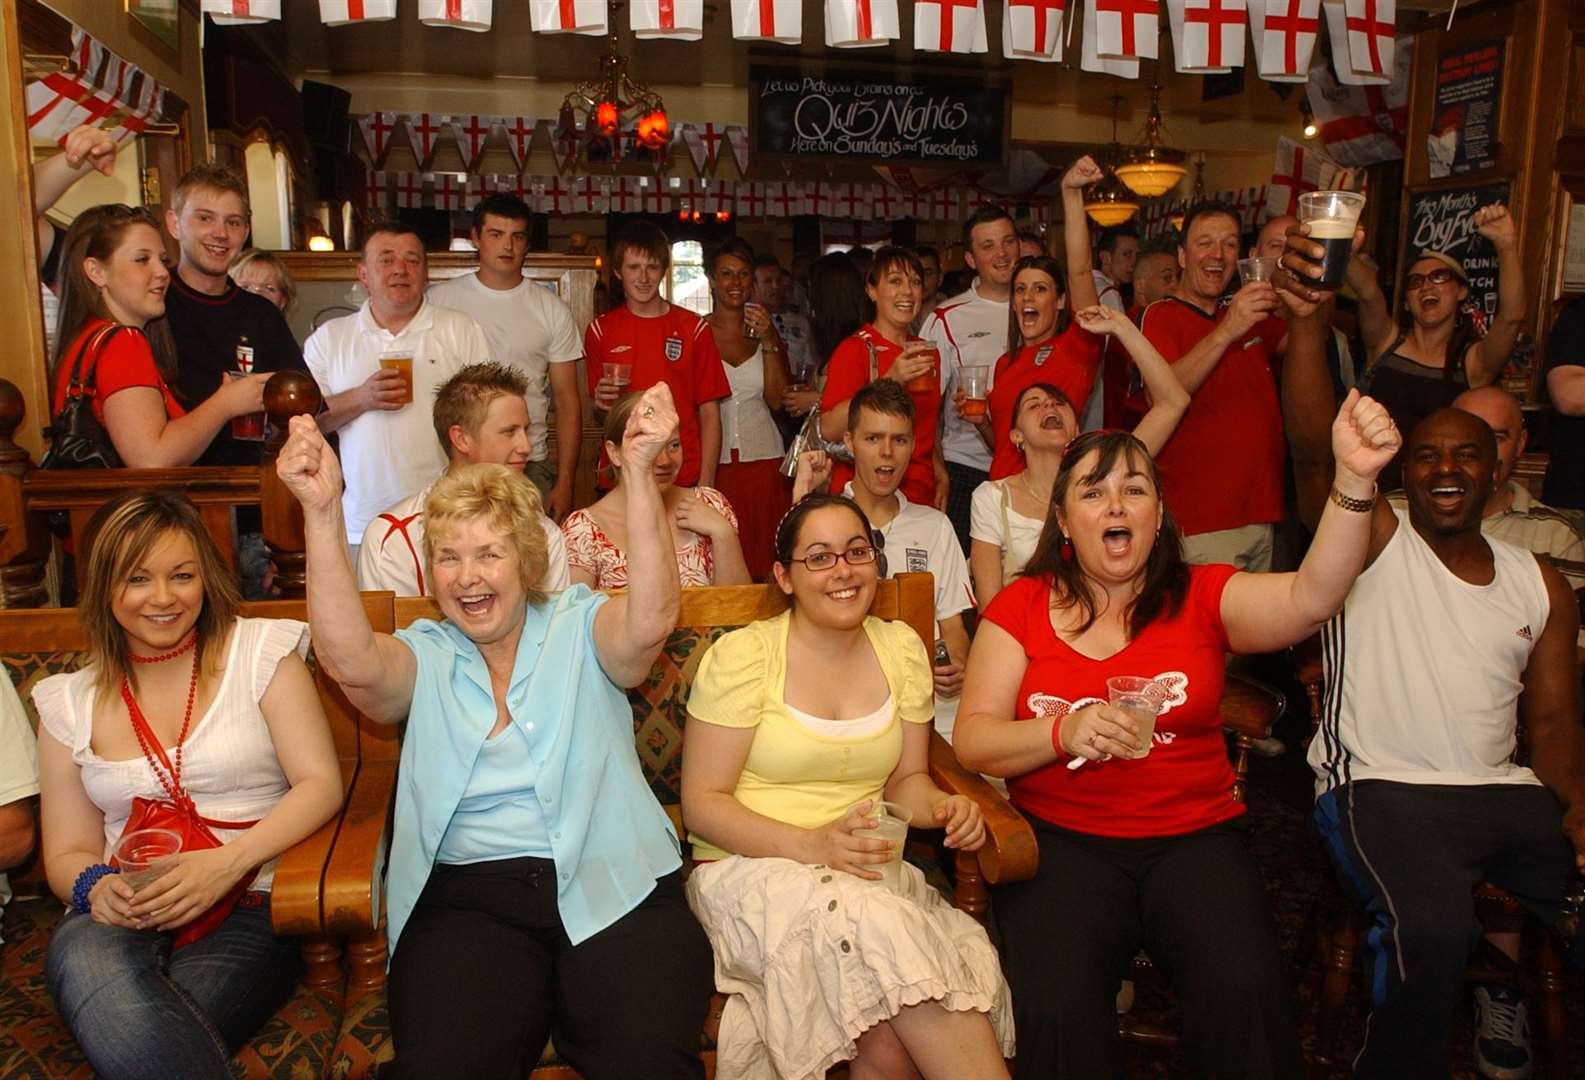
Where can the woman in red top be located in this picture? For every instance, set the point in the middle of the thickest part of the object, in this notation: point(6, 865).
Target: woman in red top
point(886, 350)
point(1141, 846)
point(112, 288)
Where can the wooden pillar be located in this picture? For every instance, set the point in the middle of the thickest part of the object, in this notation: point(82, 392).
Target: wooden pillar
point(24, 541)
point(287, 394)
point(22, 359)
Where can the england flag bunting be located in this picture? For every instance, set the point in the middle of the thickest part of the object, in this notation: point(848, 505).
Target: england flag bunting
point(556, 193)
point(481, 187)
point(1207, 35)
point(377, 128)
point(1284, 35)
point(1250, 203)
point(704, 144)
point(950, 26)
point(351, 12)
point(422, 128)
point(784, 199)
point(737, 142)
point(1032, 30)
point(241, 12)
point(568, 17)
point(781, 21)
point(1297, 169)
point(470, 132)
point(857, 24)
point(679, 20)
point(1363, 125)
point(1363, 47)
point(409, 190)
point(144, 101)
point(448, 191)
point(97, 87)
point(886, 203)
point(945, 204)
point(1090, 59)
point(594, 194)
point(1125, 29)
point(623, 195)
point(374, 192)
point(652, 197)
point(748, 199)
point(457, 14)
point(519, 135)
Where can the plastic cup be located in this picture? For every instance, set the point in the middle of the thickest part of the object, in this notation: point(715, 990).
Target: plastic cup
point(749, 331)
point(145, 854)
point(892, 822)
point(930, 380)
point(975, 380)
point(249, 426)
point(1140, 697)
point(1259, 268)
point(1332, 216)
point(620, 375)
point(402, 364)
point(803, 376)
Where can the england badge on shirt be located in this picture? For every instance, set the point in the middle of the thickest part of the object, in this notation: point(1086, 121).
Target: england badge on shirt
point(674, 349)
point(1042, 355)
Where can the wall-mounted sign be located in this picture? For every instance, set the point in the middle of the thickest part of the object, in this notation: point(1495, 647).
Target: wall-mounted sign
point(1441, 221)
point(877, 118)
point(1465, 117)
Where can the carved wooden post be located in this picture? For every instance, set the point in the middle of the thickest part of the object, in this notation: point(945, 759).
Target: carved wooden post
point(287, 394)
point(24, 539)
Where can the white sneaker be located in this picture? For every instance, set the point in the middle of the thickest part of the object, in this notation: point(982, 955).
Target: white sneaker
point(1502, 1033)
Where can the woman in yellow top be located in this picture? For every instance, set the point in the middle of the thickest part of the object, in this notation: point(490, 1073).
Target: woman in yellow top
point(798, 726)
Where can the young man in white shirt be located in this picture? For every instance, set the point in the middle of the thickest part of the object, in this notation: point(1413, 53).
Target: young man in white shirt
point(480, 417)
point(529, 327)
point(971, 329)
point(387, 452)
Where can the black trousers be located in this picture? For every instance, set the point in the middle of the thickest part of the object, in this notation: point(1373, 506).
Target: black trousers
point(1195, 903)
point(1411, 854)
point(483, 973)
point(963, 479)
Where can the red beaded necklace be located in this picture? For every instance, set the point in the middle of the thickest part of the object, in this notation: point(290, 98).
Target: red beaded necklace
point(188, 643)
point(140, 727)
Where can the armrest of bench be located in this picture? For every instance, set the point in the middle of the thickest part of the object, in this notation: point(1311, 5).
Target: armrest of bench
point(1009, 853)
point(296, 897)
point(355, 872)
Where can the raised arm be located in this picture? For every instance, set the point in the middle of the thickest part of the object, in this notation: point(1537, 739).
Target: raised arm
point(87, 149)
point(1376, 328)
point(1076, 233)
point(376, 671)
point(1484, 361)
point(1168, 399)
point(630, 629)
point(1551, 705)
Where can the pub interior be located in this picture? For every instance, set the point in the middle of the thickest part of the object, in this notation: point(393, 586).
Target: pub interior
point(982, 426)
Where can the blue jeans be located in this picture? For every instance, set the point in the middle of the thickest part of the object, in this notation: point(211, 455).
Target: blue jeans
point(140, 1010)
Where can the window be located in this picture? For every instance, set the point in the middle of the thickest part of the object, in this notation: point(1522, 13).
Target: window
point(686, 284)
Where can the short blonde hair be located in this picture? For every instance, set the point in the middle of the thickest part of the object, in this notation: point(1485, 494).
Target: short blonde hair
point(506, 499)
point(251, 256)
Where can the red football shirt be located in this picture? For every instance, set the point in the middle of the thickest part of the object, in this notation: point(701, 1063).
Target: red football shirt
point(1185, 783)
point(125, 360)
point(848, 372)
point(676, 348)
point(1222, 468)
point(1069, 363)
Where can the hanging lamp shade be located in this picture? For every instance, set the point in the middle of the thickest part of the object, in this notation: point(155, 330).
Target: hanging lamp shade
point(1151, 171)
point(1108, 203)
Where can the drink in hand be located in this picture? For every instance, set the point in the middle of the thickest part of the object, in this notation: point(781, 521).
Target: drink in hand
point(145, 854)
point(891, 824)
point(976, 383)
point(1332, 216)
point(930, 380)
point(1140, 697)
point(402, 364)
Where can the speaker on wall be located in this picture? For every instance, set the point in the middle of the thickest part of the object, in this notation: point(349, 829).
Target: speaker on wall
point(325, 116)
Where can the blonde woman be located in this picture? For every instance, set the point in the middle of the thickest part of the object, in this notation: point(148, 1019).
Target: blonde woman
point(264, 274)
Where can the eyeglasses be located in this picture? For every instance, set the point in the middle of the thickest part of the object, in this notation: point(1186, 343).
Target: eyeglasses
point(825, 560)
point(1436, 277)
point(261, 289)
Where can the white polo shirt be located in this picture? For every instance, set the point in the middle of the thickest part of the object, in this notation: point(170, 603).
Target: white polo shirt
point(19, 764)
point(528, 327)
point(386, 456)
point(392, 553)
point(968, 329)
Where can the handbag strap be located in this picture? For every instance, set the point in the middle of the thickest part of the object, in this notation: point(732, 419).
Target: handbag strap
point(152, 747)
point(97, 342)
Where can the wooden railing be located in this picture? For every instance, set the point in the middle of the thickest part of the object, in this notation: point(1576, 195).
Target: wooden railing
point(33, 500)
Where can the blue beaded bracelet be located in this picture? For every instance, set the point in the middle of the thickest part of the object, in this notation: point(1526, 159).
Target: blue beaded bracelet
point(85, 885)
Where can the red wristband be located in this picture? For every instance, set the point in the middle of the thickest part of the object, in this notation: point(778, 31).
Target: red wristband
point(1056, 740)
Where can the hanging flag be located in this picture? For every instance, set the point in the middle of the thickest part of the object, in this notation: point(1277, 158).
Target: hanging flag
point(1032, 29)
point(555, 194)
point(422, 129)
point(1126, 29)
point(952, 26)
point(593, 194)
point(447, 190)
point(1090, 59)
point(623, 195)
point(652, 197)
point(748, 199)
point(519, 135)
point(409, 190)
point(1362, 125)
point(457, 14)
point(470, 132)
point(479, 188)
point(349, 12)
point(240, 12)
point(737, 141)
point(781, 21)
point(1207, 35)
point(1363, 47)
point(704, 144)
point(783, 199)
point(1284, 35)
point(857, 24)
point(706, 196)
point(1297, 169)
point(945, 204)
point(568, 17)
point(374, 192)
point(377, 129)
point(886, 203)
point(96, 87)
point(679, 20)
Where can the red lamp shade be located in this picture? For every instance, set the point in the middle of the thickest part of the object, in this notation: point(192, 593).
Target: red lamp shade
point(654, 130)
point(606, 118)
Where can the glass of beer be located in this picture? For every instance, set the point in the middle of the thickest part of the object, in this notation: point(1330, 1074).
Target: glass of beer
point(1139, 696)
point(400, 362)
point(930, 380)
point(144, 854)
point(976, 382)
point(620, 375)
point(249, 426)
point(1331, 216)
point(1259, 268)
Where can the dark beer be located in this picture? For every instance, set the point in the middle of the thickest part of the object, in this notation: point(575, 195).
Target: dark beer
point(1337, 237)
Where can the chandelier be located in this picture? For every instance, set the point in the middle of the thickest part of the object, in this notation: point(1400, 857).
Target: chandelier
point(1107, 202)
point(598, 114)
point(1152, 169)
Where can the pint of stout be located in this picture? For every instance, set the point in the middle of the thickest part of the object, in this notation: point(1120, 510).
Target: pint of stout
point(1332, 216)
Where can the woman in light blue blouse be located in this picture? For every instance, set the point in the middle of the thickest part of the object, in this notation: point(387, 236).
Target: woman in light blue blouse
point(515, 910)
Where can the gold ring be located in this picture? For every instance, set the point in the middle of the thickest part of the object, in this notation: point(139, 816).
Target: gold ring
point(649, 410)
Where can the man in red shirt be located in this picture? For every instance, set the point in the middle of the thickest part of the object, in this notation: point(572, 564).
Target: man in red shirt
point(660, 342)
point(1221, 471)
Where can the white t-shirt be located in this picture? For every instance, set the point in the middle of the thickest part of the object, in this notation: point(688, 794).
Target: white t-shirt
point(968, 329)
point(746, 423)
point(19, 761)
point(229, 765)
point(386, 456)
point(392, 553)
point(993, 520)
point(1110, 292)
point(1093, 415)
point(528, 327)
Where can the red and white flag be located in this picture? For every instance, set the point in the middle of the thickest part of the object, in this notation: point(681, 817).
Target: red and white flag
point(448, 191)
point(348, 12)
point(422, 128)
point(479, 188)
point(458, 14)
point(1126, 29)
point(784, 199)
point(748, 199)
point(1284, 35)
point(946, 204)
point(653, 198)
point(377, 128)
point(1363, 46)
point(409, 190)
point(704, 144)
point(857, 24)
point(97, 87)
point(556, 193)
point(951, 26)
point(852, 201)
point(887, 203)
point(680, 20)
point(241, 12)
point(374, 191)
point(781, 21)
point(1207, 35)
point(1297, 169)
point(592, 195)
point(470, 132)
point(623, 195)
point(1363, 125)
point(568, 17)
point(737, 142)
point(519, 135)
point(1090, 58)
point(1032, 29)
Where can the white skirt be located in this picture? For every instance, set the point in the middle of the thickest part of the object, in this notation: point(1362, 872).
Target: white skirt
point(813, 957)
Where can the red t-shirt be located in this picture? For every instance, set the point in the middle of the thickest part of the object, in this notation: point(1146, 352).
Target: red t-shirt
point(1069, 363)
point(125, 360)
point(848, 372)
point(676, 348)
point(1186, 781)
point(1222, 468)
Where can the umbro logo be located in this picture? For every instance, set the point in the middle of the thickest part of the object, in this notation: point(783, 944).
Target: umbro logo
point(977, 334)
point(1524, 632)
point(620, 349)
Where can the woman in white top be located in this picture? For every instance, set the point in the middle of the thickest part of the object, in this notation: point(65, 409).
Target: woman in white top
point(756, 368)
point(175, 683)
point(1007, 515)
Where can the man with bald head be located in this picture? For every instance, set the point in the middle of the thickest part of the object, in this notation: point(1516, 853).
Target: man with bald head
point(1155, 276)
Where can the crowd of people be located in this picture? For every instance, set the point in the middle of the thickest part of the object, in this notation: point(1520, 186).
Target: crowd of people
point(1091, 451)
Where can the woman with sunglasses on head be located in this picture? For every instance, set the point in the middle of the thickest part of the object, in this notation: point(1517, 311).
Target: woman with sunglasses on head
point(112, 335)
point(798, 727)
point(1008, 514)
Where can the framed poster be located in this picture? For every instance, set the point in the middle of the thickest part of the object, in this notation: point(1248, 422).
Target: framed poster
point(870, 117)
point(1465, 114)
point(162, 18)
point(1440, 219)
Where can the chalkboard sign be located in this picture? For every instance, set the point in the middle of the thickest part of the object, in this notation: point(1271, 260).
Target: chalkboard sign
point(876, 118)
point(1440, 221)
